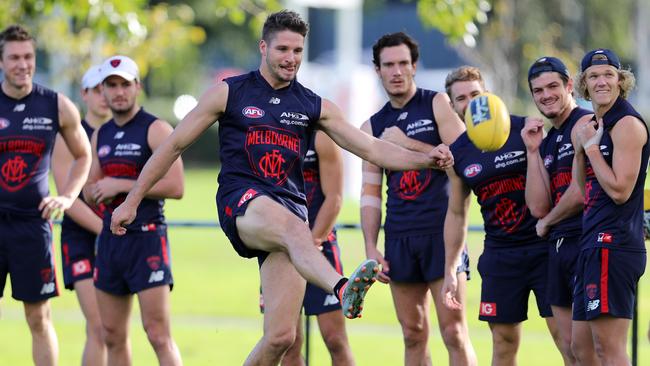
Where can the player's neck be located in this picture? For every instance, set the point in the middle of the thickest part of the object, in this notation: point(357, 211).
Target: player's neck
point(601, 109)
point(95, 121)
point(16, 93)
point(122, 118)
point(559, 120)
point(399, 100)
point(272, 81)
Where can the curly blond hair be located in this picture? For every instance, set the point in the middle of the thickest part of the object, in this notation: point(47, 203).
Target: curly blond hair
point(626, 82)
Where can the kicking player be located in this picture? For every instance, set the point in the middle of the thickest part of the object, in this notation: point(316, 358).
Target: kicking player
point(30, 117)
point(266, 121)
point(139, 262)
point(514, 261)
point(81, 224)
point(611, 158)
point(551, 194)
point(413, 266)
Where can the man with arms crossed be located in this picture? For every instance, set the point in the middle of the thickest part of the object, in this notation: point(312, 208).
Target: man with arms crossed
point(30, 118)
point(551, 194)
point(139, 262)
point(266, 119)
point(81, 224)
point(417, 119)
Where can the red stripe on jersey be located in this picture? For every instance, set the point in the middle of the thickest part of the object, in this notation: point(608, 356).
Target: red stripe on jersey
point(163, 244)
point(604, 274)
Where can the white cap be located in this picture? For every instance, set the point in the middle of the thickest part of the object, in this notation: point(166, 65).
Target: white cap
point(121, 66)
point(91, 78)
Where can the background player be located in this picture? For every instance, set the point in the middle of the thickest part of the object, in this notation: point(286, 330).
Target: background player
point(323, 172)
point(81, 224)
point(551, 194)
point(611, 158)
point(30, 117)
point(140, 262)
point(417, 119)
point(514, 261)
point(261, 200)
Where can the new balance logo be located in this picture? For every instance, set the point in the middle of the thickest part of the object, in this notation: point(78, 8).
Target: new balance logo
point(19, 108)
point(48, 288)
point(593, 305)
point(118, 135)
point(330, 300)
point(156, 276)
point(274, 100)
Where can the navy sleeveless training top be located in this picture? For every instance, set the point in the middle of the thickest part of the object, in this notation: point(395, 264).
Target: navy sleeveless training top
point(28, 128)
point(68, 224)
point(604, 223)
point(557, 153)
point(498, 180)
point(264, 136)
point(416, 199)
point(122, 152)
point(313, 191)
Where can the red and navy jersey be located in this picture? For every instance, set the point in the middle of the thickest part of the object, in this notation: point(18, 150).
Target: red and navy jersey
point(68, 224)
point(122, 152)
point(313, 191)
point(416, 199)
point(498, 179)
point(28, 128)
point(604, 223)
point(264, 136)
point(557, 153)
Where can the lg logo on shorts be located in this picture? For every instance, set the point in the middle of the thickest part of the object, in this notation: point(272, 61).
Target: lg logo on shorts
point(156, 276)
point(488, 309)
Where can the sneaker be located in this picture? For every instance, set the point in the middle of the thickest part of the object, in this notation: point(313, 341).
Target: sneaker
point(357, 287)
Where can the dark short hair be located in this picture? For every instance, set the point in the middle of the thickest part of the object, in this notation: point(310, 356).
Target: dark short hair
point(392, 40)
point(284, 20)
point(14, 33)
point(463, 73)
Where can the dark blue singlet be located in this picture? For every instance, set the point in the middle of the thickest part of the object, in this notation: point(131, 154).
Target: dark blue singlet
point(28, 129)
point(416, 199)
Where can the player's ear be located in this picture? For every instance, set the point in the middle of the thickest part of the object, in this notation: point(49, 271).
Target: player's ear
point(263, 46)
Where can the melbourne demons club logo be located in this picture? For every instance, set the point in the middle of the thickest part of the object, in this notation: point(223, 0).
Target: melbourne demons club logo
point(272, 152)
point(507, 215)
point(20, 156)
point(253, 112)
point(312, 180)
point(591, 290)
point(409, 184)
point(153, 262)
point(590, 192)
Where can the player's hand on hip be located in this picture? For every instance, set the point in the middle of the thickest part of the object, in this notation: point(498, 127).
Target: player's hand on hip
point(450, 291)
point(374, 253)
point(533, 133)
point(52, 207)
point(123, 215)
point(442, 157)
point(395, 135)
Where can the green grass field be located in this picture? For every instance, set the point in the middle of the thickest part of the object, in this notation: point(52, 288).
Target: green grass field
point(215, 316)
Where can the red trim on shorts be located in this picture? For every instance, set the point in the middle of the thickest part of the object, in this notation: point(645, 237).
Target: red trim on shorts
point(604, 274)
point(54, 262)
point(163, 244)
point(66, 254)
point(337, 260)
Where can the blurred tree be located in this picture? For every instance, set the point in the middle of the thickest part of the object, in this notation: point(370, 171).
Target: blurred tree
point(78, 33)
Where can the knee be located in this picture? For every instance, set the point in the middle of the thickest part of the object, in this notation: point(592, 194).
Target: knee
point(505, 342)
point(453, 335)
point(113, 336)
point(335, 342)
point(158, 336)
point(38, 320)
point(280, 341)
point(415, 334)
point(95, 332)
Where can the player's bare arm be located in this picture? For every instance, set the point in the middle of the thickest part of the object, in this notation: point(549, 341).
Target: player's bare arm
point(330, 166)
point(75, 139)
point(538, 194)
point(169, 186)
point(371, 180)
point(578, 173)
point(449, 125)
point(369, 148)
point(455, 233)
point(211, 106)
point(628, 135)
point(79, 211)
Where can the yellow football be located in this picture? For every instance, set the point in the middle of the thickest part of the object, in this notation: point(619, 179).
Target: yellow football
point(488, 122)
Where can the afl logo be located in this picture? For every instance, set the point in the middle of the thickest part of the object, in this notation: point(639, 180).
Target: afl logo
point(472, 170)
point(4, 123)
point(548, 159)
point(252, 112)
point(103, 151)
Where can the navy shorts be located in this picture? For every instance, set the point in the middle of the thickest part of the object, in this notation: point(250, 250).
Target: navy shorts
point(562, 258)
point(606, 282)
point(317, 301)
point(508, 275)
point(419, 258)
point(233, 203)
point(134, 262)
point(78, 255)
point(26, 255)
